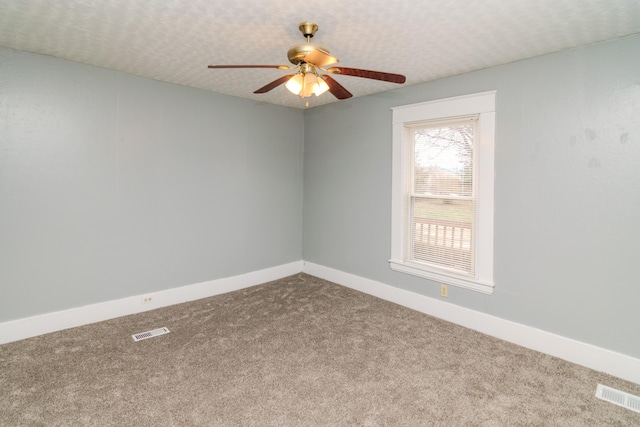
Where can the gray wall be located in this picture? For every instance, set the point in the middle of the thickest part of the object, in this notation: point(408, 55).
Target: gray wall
point(112, 185)
point(567, 207)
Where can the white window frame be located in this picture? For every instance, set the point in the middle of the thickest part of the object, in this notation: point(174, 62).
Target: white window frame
point(483, 105)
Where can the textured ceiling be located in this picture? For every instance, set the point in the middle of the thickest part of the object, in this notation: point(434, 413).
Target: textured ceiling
point(175, 40)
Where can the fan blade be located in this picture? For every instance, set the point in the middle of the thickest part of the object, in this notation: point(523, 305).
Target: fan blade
point(368, 74)
point(336, 88)
point(320, 58)
point(279, 67)
point(274, 84)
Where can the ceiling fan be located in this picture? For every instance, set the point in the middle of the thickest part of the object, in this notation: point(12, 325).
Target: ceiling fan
point(309, 59)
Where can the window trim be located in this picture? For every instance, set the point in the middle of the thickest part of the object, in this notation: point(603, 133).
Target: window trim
point(482, 104)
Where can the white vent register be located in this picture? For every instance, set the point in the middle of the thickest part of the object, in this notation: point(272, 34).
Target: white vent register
point(618, 397)
point(150, 334)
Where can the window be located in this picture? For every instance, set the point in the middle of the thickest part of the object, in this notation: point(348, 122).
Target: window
point(442, 190)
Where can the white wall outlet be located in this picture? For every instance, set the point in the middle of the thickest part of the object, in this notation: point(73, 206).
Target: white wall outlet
point(147, 300)
point(444, 292)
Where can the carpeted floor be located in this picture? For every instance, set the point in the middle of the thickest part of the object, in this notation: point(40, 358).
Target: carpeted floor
point(300, 351)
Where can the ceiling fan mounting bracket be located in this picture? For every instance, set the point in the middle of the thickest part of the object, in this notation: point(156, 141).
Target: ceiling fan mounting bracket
point(308, 29)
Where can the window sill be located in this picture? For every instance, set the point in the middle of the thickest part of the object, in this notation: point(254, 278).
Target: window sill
point(442, 277)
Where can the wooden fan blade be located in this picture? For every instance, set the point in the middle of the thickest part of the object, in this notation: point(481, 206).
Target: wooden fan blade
point(368, 74)
point(320, 58)
point(274, 84)
point(280, 67)
point(336, 88)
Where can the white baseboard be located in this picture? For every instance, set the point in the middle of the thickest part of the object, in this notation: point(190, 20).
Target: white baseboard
point(37, 325)
point(590, 356)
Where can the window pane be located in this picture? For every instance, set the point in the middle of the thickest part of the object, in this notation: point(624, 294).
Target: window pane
point(443, 159)
point(443, 232)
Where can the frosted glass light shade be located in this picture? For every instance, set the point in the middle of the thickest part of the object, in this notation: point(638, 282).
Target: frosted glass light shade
point(309, 86)
point(295, 84)
point(321, 87)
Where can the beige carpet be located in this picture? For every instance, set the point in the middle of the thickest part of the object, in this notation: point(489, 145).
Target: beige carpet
point(296, 352)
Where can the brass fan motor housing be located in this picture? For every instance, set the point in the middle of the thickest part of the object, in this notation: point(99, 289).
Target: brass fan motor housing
point(297, 53)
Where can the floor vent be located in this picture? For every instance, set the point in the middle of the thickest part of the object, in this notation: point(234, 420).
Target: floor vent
point(149, 334)
point(618, 397)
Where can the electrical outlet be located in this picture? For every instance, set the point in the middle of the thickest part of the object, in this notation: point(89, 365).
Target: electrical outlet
point(444, 292)
point(147, 300)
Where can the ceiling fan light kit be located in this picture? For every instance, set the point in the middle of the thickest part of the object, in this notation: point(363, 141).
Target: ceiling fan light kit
point(307, 82)
point(307, 59)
